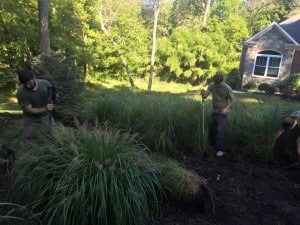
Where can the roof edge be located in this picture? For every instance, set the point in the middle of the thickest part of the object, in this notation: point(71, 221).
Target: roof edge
point(267, 29)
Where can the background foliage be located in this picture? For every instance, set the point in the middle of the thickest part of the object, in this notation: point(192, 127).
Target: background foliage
point(62, 73)
point(186, 51)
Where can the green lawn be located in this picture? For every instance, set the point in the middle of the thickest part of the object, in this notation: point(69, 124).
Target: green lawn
point(8, 102)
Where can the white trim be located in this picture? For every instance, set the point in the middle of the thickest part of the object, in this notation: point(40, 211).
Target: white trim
point(267, 29)
point(265, 77)
point(267, 64)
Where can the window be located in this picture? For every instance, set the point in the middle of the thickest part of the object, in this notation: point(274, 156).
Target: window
point(267, 64)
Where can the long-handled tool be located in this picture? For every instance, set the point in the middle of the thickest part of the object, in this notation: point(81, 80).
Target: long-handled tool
point(50, 102)
point(203, 127)
point(203, 118)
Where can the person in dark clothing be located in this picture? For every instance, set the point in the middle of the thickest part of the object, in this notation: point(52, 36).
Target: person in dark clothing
point(286, 150)
point(33, 98)
point(223, 99)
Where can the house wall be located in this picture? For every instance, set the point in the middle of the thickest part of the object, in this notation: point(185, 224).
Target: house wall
point(272, 40)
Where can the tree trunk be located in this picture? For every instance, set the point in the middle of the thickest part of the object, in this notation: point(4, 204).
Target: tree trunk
point(122, 57)
point(44, 29)
point(152, 60)
point(206, 13)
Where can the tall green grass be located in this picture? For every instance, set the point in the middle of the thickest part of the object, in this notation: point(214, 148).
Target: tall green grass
point(172, 124)
point(169, 124)
point(97, 175)
point(94, 175)
point(16, 214)
point(10, 213)
point(185, 186)
point(252, 126)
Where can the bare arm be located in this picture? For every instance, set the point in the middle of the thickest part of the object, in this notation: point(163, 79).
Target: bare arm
point(225, 110)
point(29, 109)
point(205, 93)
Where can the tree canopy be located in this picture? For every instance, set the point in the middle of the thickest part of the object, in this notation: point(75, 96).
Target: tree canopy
point(194, 41)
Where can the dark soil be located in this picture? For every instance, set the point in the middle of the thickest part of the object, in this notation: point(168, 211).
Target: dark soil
point(245, 192)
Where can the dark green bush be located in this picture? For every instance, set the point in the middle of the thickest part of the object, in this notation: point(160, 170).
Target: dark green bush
point(6, 80)
point(263, 87)
point(61, 72)
point(292, 81)
point(271, 90)
point(234, 79)
point(250, 85)
point(268, 88)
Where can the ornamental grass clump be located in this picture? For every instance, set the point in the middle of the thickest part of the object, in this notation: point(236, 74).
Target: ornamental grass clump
point(251, 129)
point(185, 186)
point(91, 175)
point(10, 213)
point(166, 123)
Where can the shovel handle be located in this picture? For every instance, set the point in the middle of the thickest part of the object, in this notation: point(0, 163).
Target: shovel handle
point(50, 101)
point(203, 116)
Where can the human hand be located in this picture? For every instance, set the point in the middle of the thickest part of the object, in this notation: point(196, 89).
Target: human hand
point(224, 111)
point(50, 107)
point(278, 133)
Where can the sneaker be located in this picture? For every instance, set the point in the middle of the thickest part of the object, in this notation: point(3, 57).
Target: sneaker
point(220, 153)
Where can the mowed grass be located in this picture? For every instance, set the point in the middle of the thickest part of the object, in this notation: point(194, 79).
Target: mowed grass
point(8, 102)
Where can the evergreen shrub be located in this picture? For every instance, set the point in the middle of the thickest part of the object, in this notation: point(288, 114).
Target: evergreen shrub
point(268, 88)
point(61, 72)
point(6, 80)
point(263, 87)
point(292, 81)
point(250, 86)
point(234, 79)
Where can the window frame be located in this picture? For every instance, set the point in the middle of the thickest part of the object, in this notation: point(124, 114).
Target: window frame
point(267, 54)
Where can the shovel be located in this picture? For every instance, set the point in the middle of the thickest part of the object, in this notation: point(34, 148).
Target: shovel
point(50, 101)
point(203, 127)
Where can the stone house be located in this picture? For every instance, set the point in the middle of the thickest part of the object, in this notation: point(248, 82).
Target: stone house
point(272, 54)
